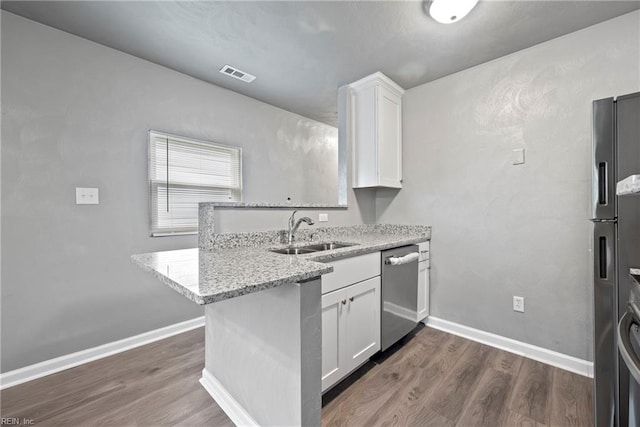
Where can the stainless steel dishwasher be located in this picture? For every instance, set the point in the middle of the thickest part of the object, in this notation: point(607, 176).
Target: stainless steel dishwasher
point(399, 293)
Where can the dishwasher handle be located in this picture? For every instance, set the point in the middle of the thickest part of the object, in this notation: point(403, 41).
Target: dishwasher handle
point(409, 258)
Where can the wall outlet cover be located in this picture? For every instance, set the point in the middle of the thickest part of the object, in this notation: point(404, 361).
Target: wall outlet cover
point(518, 156)
point(323, 217)
point(518, 304)
point(87, 196)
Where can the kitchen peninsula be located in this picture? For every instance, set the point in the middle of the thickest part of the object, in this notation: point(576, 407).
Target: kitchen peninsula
point(263, 351)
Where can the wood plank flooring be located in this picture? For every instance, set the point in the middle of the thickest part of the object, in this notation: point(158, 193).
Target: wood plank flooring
point(433, 379)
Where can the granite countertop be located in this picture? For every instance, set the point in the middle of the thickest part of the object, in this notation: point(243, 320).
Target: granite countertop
point(290, 205)
point(629, 185)
point(236, 264)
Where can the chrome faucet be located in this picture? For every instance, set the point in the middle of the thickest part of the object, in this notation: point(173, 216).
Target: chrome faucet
point(293, 226)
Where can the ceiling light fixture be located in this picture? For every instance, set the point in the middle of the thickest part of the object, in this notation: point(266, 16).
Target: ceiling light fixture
point(450, 11)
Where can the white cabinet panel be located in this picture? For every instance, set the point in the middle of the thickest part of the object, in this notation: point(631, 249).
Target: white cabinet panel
point(375, 124)
point(423, 281)
point(390, 138)
point(363, 321)
point(350, 317)
point(333, 327)
point(423, 290)
point(348, 271)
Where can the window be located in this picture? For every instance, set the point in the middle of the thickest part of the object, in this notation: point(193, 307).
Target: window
point(184, 172)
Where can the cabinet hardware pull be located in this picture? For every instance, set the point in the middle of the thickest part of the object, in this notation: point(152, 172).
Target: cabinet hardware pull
point(351, 299)
point(344, 301)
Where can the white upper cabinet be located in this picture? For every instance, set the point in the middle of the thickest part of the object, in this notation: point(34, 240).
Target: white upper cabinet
point(375, 123)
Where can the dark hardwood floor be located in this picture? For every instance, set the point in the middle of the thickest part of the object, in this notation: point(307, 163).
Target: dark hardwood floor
point(438, 379)
point(434, 379)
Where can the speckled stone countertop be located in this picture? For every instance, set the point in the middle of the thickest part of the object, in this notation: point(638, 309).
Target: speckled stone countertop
point(629, 185)
point(291, 205)
point(236, 264)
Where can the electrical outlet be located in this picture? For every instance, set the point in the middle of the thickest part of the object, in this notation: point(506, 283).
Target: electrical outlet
point(518, 304)
point(323, 217)
point(87, 196)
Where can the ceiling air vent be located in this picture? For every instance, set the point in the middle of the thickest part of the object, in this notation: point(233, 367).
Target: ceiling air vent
point(240, 75)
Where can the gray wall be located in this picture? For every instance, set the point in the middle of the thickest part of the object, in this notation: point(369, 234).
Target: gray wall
point(501, 230)
point(75, 114)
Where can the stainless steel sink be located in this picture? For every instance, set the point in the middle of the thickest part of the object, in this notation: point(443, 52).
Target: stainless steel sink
point(293, 251)
point(327, 246)
point(312, 248)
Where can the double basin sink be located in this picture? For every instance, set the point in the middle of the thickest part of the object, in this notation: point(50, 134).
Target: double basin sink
point(312, 248)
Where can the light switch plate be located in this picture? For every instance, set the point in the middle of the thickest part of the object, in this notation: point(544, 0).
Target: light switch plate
point(323, 217)
point(518, 156)
point(87, 196)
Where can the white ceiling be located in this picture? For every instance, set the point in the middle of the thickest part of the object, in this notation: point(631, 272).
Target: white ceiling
point(302, 51)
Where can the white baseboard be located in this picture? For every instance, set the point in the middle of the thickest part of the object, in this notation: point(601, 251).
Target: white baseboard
point(48, 367)
point(550, 357)
point(225, 401)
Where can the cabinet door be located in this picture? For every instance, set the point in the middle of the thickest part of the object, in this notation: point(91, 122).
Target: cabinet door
point(362, 322)
point(333, 331)
point(389, 124)
point(423, 290)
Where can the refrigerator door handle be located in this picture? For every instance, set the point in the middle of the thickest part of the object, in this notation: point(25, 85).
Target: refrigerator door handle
point(624, 345)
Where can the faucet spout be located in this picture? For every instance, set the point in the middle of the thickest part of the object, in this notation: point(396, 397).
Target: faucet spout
point(294, 225)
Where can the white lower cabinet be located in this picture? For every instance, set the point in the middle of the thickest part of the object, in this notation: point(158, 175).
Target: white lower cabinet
point(423, 290)
point(350, 329)
point(423, 282)
point(362, 321)
point(333, 330)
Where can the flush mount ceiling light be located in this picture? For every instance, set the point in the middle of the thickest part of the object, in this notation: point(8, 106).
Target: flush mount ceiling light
point(450, 11)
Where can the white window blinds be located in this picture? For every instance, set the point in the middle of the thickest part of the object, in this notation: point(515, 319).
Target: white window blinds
point(184, 172)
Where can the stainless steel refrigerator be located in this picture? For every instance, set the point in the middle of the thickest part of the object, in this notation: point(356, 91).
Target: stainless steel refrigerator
point(616, 155)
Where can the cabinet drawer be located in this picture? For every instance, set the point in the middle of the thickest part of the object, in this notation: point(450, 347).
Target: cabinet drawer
point(348, 271)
